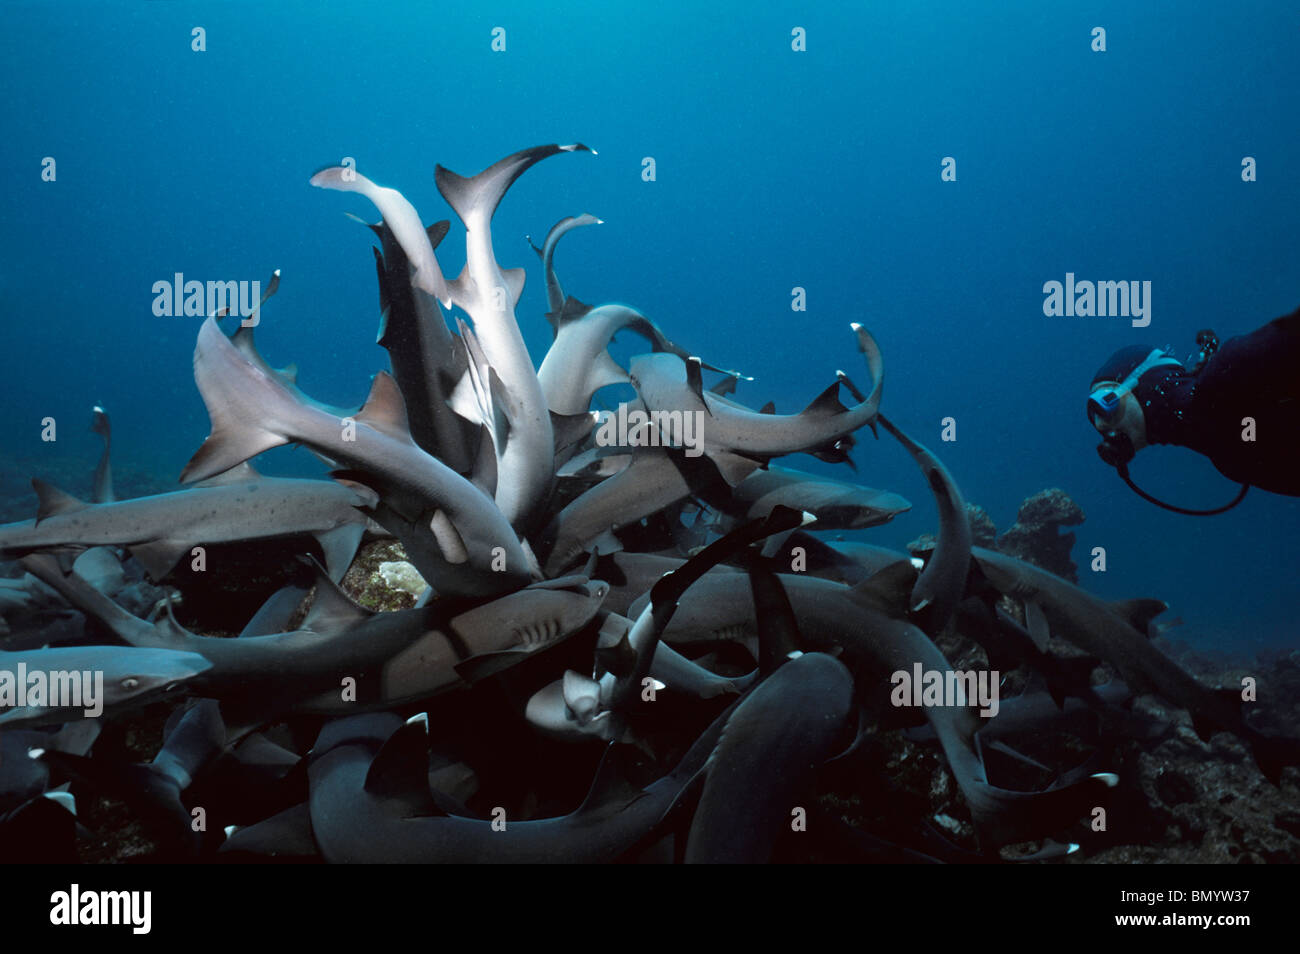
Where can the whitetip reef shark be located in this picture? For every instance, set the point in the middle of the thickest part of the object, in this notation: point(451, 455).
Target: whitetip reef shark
point(235, 505)
point(736, 438)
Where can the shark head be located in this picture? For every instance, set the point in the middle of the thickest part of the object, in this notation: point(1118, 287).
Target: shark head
point(107, 678)
point(539, 615)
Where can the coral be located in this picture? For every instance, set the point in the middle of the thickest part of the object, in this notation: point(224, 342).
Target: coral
point(1036, 537)
point(367, 583)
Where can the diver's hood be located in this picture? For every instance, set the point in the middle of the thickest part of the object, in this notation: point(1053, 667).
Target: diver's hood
point(1121, 364)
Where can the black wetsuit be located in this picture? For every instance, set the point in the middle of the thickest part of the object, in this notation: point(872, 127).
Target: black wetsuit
point(1255, 375)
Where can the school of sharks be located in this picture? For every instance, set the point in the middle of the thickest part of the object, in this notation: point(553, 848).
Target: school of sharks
point(639, 639)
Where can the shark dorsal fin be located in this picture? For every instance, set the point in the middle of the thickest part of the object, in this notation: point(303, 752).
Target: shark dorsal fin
point(890, 586)
point(827, 403)
point(51, 500)
point(695, 381)
point(240, 473)
point(332, 610)
point(572, 310)
point(768, 408)
point(1140, 612)
point(401, 768)
point(384, 409)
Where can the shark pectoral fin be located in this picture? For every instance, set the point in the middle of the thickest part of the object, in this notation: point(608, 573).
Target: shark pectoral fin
point(1036, 624)
point(465, 400)
point(450, 543)
point(501, 404)
point(486, 665)
point(733, 468)
point(581, 694)
point(158, 557)
point(1140, 613)
point(75, 738)
point(890, 586)
point(611, 785)
point(607, 543)
point(485, 473)
point(51, 500)
point(340, 547)
point(400, 770)
point(547, 710)
point(332, 610)
point(569, 429)
point(275, 613)
point(286, 835)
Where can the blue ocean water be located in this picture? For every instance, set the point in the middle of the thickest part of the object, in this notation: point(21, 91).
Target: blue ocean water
point(775, 168)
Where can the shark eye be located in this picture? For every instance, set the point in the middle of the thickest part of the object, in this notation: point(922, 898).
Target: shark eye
point(130, 682)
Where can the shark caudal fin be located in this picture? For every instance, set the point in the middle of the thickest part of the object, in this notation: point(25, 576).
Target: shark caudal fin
point(242, 404)
point(475, 199)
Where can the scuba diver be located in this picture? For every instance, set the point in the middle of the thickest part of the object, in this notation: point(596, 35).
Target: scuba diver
point(1142, 396)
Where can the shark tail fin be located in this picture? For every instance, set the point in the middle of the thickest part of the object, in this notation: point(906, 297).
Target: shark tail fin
point(475, 199)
